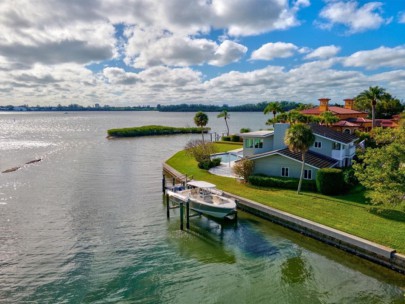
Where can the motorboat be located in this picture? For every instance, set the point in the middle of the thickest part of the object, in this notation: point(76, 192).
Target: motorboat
point(204, 198)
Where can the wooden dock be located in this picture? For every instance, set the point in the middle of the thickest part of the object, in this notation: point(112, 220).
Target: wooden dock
point(374, 252)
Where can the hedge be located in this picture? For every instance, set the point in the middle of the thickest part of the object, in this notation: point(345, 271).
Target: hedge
point(281, 182)
point(152, 130)
point(208, 164)
point(329, 181)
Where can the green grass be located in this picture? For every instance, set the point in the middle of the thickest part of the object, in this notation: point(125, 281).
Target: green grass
point(349, 213)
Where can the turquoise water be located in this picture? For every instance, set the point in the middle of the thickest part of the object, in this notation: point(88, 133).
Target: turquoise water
point(227, 157)
point(88, 224)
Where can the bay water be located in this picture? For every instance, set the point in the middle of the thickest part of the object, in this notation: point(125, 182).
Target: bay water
point(87, 224)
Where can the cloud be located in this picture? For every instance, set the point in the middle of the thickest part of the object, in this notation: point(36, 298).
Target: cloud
point(356, 18)
point(323, 52)
point(228, 52)
point(401, 17)
point(269, 51)
point(152, 48)
point(377, 58)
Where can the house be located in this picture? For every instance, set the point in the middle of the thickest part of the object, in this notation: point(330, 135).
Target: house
point(272, 157)
point(350, 119)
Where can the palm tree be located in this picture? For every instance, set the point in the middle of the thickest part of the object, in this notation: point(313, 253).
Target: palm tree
point(372, 95)
point(328, 118)
point(201, 120)
point(299, 138)
point(226, 116)
point(274, 107)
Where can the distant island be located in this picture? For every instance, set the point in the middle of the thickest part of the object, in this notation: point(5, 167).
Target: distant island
point(258, 107)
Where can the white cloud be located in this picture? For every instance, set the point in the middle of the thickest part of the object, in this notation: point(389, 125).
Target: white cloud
point(377, 58)
point(228, 52)
point(402, 17)
point(271, 50)
point(323, 52)
point(152, 48)
point(350, 14)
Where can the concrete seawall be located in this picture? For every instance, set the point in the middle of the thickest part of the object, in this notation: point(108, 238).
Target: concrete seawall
point(361, 247)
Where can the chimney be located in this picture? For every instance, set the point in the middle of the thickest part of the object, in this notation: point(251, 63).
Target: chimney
point(323, 104)
point(349, 103)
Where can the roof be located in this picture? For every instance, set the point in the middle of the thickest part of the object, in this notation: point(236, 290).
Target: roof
point(333, 109)
point(265, 133)
point(200, 184)
point(332, 134)
point(345, 123)
point(311, 158)
point(359, 120)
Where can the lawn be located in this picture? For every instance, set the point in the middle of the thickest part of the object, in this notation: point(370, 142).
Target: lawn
point(349, 213)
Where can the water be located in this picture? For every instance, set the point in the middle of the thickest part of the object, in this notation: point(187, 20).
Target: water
point(227, 157)
point(87, 224)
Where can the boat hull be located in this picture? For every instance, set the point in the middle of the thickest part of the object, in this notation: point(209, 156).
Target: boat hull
point(217, 211)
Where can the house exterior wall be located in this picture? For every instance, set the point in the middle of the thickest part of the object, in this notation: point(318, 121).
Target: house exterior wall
point(267, 145)
point(273, 164)
point(326, 146)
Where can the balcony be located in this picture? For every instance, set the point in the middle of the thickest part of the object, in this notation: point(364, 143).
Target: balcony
point(338, 154)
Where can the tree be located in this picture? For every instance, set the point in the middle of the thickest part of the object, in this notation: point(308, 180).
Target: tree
point(244, 168)
point(299, 138)
point(274, 107)
point(328, 118)
point(371, 96)
point(201, 120)
point(382, 170)
point(226, 116)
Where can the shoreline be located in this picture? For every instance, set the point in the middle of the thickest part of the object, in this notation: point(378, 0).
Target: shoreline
point(379, 254)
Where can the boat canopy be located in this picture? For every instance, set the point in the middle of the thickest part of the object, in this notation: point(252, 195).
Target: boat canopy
point(201, 184)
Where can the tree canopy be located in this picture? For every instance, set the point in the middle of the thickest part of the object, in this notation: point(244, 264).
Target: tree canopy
point(299, 138)
point(382, 169)
point(226, 116)
point(201, 120)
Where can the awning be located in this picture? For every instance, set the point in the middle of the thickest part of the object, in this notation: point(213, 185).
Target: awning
point(201, 184)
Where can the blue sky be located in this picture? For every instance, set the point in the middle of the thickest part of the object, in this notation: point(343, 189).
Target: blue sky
point(145, 52)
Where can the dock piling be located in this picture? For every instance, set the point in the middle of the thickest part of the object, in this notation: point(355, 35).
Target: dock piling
point(181, 216)
point(167, 206)
point(188, 214)
point(164, 183)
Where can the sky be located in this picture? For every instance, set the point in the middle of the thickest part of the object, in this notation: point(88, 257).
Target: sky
point(149, 52)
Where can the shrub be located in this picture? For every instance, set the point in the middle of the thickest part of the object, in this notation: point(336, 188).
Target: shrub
point(349, 178)
point(262, 180)
point(243, 168)
point(208, 164)
point(200, 150)
point(235, 138)
point(226, 138)
point(244, 130)
point(329, 181)
point(152, 130)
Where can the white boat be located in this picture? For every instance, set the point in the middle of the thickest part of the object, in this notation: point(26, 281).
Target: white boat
point(204, 198)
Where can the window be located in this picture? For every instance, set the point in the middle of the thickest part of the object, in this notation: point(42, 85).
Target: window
point(307, 174)
point(318, 144)
point(347, 131)
point(284, 172)
point(336, 146)
point(249, 143)
point(258, 143)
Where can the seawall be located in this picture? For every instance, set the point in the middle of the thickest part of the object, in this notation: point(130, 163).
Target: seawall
point(363, 248)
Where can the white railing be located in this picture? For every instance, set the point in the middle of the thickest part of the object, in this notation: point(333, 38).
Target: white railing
point(338, 154)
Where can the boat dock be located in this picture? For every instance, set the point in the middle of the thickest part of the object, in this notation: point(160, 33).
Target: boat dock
point(363, 248)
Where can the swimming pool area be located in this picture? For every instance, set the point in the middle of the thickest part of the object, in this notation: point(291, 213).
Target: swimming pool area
point(228, 156)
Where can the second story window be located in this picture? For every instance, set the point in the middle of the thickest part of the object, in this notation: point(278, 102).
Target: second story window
point(336, 146)
point(258, 143)
point(318, 144)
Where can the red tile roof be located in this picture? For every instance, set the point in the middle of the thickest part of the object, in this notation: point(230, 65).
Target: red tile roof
point(333, 109)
